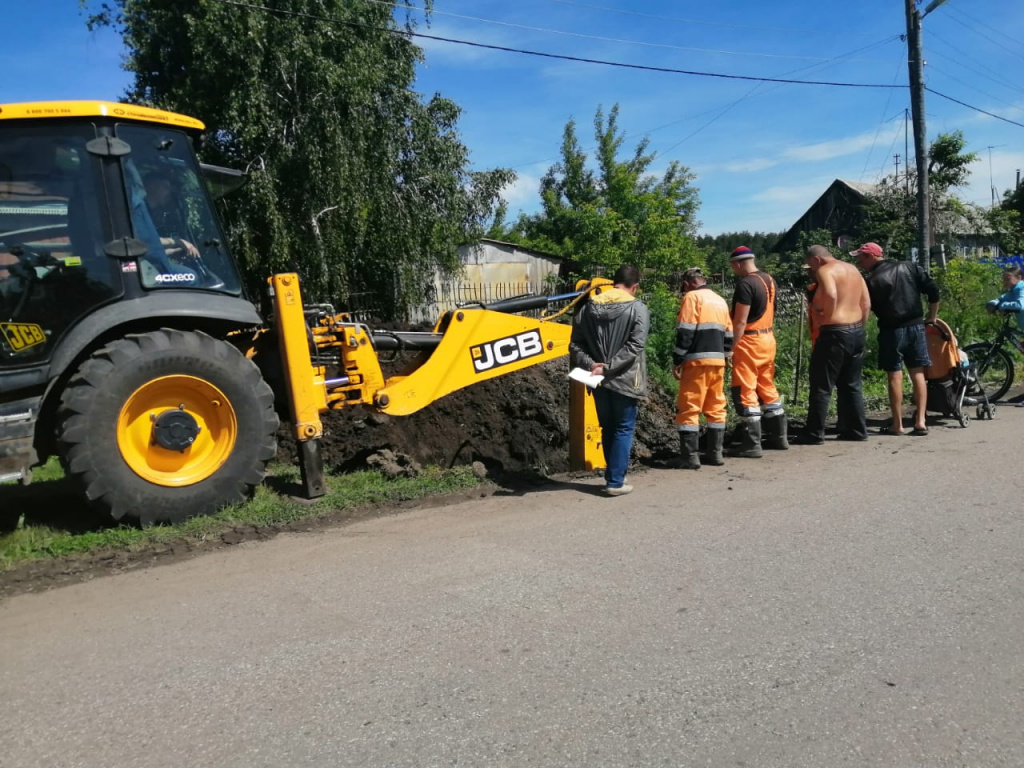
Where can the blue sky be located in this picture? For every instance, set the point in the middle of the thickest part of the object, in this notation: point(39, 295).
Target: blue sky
point(762, 153)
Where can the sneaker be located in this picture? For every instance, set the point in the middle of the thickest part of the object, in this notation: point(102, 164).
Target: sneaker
point(805, 438)
point(622, 490)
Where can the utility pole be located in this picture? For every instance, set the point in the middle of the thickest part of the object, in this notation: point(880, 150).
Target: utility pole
point(897, 156)
point(991, 178)
point(991, 181)
point(915, 65)
point(906, 147)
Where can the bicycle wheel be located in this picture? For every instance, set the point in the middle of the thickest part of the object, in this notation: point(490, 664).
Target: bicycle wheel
point(993, 370)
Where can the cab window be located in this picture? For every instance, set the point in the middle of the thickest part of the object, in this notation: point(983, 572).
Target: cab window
point(172, 215)
point(52, 266)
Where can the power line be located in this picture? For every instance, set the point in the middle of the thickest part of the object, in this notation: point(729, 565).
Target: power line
point(729, 107)
point(881, 122)
point(953, 16)
point(964, 82)
point(979, 22)
point(976, 109)
point(548, 30)
point(546, 55)
point(885, 159)
point(991, 73)
point(726, 107)
point(709, 23)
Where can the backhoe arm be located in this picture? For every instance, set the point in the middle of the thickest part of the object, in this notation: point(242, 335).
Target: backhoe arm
point(467, 346)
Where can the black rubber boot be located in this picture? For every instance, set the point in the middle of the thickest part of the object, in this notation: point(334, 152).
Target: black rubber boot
point(713, 448)
point(776, 430)
point(750, 447)
point(735, 437)
point(689, 449)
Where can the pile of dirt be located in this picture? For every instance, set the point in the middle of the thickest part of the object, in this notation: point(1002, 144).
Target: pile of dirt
point(516, 424)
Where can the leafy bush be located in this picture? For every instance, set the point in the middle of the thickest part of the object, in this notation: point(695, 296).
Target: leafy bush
point(966, 285)
point(663, 303)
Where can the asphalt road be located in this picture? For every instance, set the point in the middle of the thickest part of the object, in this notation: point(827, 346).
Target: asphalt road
point(855, 604)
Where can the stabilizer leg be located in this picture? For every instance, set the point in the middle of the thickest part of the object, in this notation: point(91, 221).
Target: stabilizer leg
point(311, 465)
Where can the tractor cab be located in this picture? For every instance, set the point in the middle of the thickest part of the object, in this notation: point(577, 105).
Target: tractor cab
point(100, 203)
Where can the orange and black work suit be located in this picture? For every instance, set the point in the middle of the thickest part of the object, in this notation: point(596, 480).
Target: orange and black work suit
point(703, 338)
point(753, 356)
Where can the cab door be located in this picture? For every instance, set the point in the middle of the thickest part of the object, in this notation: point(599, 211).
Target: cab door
point(53, 225)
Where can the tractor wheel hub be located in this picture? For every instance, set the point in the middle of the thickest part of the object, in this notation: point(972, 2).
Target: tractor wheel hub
point(175, 430)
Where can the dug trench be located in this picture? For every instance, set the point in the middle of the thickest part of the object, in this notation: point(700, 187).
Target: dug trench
point(515, 426)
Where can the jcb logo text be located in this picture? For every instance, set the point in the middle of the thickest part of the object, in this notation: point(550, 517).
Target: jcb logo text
point(21, 336)
point(495, 354)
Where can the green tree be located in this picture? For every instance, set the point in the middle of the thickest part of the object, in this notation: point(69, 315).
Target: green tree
point(891, 217)
point(788, 268)
point(718, 248)
point(618, 212)
point(355, 181)
point(1013, 200)
point(966, 286)
point(1012, 207)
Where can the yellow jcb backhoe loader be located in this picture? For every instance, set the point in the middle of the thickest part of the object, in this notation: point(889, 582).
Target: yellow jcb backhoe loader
point(129, 349)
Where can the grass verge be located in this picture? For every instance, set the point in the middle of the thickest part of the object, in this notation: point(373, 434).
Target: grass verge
point(26, 533)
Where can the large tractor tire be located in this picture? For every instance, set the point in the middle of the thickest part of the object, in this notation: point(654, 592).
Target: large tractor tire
point(163, 426)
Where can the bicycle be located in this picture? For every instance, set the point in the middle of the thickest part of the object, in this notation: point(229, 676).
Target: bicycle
point(992, 363)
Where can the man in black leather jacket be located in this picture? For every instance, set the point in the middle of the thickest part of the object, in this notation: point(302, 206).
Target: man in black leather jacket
point(896, 288)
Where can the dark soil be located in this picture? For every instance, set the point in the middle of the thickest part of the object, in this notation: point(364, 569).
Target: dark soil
point(515, 425)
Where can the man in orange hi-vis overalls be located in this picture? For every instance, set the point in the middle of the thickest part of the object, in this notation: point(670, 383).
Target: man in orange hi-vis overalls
point(703, 339)
point(753, 359)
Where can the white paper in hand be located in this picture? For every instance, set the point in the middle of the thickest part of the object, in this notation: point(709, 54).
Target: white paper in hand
point(590, 379)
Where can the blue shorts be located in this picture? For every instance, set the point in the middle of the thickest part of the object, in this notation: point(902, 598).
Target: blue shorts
point(902, 346)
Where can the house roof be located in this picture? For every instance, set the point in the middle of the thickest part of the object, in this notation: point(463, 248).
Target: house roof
point(821, 212)
point(522, 248)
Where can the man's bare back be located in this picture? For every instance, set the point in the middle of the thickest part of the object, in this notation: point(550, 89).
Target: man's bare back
point(842, 295)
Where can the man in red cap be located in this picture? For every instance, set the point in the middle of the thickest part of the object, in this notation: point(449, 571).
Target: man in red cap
point(896, 288)
point(753, 359)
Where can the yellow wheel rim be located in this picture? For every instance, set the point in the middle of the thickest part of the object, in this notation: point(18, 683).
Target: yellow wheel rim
point(218, 430)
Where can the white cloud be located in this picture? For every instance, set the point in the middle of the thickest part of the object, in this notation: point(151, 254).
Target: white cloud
point(751, 166)
point(1002, 176)
point(1010, 112)
point(850, 145)
point(811, 153)
point(805, 193)
point(523, 193)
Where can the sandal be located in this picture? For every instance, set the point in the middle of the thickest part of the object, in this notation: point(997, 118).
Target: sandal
point(888, 430)
point(919, 432)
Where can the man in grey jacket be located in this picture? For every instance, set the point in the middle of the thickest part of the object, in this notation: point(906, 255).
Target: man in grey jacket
point(608, 337)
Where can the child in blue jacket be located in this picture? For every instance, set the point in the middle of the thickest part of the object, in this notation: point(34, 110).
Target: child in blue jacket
point(1013, 299)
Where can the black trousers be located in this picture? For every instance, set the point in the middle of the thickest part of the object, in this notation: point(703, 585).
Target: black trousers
point(837, 363)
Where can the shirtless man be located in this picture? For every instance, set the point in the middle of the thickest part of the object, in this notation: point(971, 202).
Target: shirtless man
point(839, 309)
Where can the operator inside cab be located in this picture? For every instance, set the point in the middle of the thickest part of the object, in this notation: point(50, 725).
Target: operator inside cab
point(171, 260)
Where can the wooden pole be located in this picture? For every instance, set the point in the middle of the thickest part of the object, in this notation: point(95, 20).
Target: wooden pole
point(799, 356)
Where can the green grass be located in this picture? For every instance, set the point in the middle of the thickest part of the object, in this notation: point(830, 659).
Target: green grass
point(26, 540)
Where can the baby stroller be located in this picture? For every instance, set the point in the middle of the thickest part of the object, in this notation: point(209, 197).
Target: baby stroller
point(951, 376)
